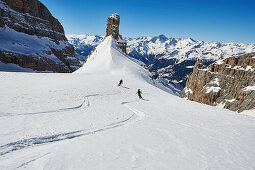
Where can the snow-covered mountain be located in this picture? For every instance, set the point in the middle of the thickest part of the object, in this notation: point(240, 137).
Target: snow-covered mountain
point(170, 58)
point(84, 44)
point(183, 49)
point(83, 120)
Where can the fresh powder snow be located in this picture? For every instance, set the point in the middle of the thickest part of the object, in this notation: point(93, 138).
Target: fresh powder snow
point(85, 120)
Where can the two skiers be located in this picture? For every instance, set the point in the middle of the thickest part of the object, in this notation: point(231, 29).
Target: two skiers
point(138, 91)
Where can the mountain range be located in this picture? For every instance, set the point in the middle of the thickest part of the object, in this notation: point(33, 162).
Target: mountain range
point(169, 58)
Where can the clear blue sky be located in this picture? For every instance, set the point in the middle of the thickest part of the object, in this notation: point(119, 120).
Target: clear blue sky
point(207, 20)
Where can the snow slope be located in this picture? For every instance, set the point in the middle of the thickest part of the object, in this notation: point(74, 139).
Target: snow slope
point(85, 121)
point(108, 59)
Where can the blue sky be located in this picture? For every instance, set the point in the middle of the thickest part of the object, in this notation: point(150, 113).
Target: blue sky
point(207, 20)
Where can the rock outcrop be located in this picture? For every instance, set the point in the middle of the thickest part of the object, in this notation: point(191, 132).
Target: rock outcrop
point(30, 22)
point(113, 23)
point(228, 83)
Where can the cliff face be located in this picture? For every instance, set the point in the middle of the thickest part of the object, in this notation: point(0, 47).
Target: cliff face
point(113, 23)
point(31, 37)
point(228, 83)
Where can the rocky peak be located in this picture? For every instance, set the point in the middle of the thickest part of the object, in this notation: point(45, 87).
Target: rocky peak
point(31, 17)
point(31, 37)
point(198, 65)
point(113, 23)
point(228, 83)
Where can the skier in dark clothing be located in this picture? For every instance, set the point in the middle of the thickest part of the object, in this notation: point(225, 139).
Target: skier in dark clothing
point(120, 83)
point(139, 93)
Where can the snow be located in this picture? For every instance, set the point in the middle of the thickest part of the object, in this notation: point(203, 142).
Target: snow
point(115, 16)
point(107, 59)
point(231, 100)
point(219, 62)
point(249, 68)
point(204, 69)
point(238, 68)
point(249, 88)
point(83, 40)
point(220, 105)
point(215, 82)
point(22, 43)
point(188, 90)
point(189, 66)
point(85, 121)
point(213, 89)
point(250, 113)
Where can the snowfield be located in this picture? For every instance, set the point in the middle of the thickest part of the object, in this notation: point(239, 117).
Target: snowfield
point(85, 121)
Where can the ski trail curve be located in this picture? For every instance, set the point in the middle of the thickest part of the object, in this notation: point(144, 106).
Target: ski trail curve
point(36, 141)
point(138, 113)
point(28, 143)
point(80, 106)
point(84, 104)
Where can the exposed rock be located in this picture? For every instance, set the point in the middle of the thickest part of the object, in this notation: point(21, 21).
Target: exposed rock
point(229, 83)
point(31, 17)
point(113, 23)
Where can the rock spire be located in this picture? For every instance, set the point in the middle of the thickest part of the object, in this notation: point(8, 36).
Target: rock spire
point(113, 23)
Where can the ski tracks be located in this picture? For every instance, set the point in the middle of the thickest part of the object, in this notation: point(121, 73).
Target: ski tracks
point(31, 142)
point(27, 143)
point(83, 105)
point(138, 113)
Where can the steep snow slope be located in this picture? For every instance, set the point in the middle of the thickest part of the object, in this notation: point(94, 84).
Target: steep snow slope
point(108, 59)
point(85, 121)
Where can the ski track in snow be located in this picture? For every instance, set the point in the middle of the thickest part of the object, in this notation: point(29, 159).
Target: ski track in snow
point(51, 111)
point(140, 114)
point(34, 159)
point(27, 143)
point(59, 110)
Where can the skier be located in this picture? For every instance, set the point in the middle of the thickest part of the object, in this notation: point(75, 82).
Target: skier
point(121, 82)
point(139, 93)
